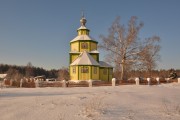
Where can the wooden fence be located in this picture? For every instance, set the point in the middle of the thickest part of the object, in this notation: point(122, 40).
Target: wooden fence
point(32, 84)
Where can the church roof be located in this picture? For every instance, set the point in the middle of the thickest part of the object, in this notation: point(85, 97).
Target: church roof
point(3, 75)
point(83, 37)
point(94, 51)
point(82, 27)
point(85, 59)
point(104, 64)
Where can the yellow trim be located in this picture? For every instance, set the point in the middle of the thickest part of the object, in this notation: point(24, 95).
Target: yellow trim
point(83, 32)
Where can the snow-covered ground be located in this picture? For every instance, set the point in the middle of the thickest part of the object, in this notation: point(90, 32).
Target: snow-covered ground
point(125, 102)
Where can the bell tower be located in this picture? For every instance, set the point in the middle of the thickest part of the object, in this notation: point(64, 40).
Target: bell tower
point(83, 42)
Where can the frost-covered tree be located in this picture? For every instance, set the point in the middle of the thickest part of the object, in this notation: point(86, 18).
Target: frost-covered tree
point(125, 49)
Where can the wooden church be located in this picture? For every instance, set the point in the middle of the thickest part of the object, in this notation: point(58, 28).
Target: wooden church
point(84, 57)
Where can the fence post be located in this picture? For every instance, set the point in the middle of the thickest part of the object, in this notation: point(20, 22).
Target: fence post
point(114, 82)
point(178, 80)
point(37, 83)
point(64, 83)
point(137, 81)
point(21, 81)
point(90, 83)
point(157, 79)
point(149, 81)
point(1, 82)
point(11, 82)
point(4, 83)
point(167, 79)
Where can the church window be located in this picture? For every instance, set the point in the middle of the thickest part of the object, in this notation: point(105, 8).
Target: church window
point(84, 70)
point(105, 71)
point(95, 70)
point(84, 45)
point(110, 72)
point(74, 70)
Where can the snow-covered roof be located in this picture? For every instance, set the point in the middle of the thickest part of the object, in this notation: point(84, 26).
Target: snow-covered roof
point(82, 27)
point(94, 51)
point(83, 37)
point(42, 76)
point(104, 64)
point(3, 75)
point(85, 59)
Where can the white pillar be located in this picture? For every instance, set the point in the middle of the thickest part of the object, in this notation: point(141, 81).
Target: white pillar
point(21, 81)
point(157, 79)
point(1, 82)
point(114, 82)
point(64, 83)
point(37, 83)
point(11, 82)
point(178, 80)
point(149, 81)
point(137, 81)
point(90, 83)
point(30, 79)
point(167, 79)
point(4, 82)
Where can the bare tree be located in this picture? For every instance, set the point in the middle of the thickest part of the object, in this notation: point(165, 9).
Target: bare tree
point(125, 49)
point(29, 70)
point(149, 54)
point(14, 74)
point(63, 74)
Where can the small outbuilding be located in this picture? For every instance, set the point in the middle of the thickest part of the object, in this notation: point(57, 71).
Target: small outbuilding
point(40, 78)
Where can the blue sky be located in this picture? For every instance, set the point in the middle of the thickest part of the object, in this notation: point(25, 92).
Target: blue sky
point(39, 31)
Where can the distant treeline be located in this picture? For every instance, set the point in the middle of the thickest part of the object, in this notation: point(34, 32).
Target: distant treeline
point(154, 73)
point(17, 72)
